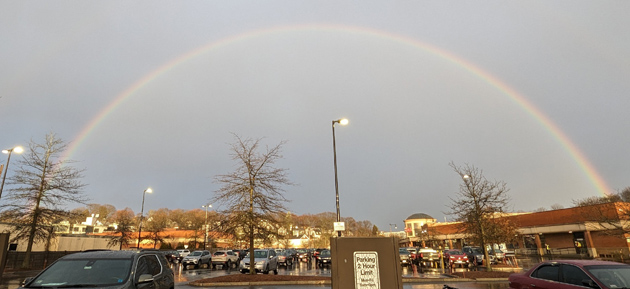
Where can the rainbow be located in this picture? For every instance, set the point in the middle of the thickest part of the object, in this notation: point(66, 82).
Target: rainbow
point(517, 98)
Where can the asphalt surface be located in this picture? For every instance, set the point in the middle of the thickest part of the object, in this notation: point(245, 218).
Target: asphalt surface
point(433, 278)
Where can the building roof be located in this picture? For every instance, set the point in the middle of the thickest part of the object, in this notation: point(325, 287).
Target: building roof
point(419, 216)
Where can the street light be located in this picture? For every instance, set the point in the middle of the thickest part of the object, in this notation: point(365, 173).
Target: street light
point(342, 121)
point(17, 149)
point(390, 228)
point(205, 237)
point(148, 190)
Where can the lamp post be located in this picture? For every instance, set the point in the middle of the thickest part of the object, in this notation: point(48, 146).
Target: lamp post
point(17, 149)
point(205, 236)
point(148, 190)
point(390, 228)
point(342, 121)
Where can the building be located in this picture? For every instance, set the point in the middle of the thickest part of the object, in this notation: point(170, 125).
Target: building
point(416, 227)
point(591, 231)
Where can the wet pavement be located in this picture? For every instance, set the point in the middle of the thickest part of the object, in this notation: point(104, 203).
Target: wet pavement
point(12, 280)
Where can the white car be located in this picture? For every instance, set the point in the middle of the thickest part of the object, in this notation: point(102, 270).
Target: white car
point(225, 258)
point(265, 260)
point(183, 252)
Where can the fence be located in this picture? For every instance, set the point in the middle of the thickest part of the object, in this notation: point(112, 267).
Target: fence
point(38, 260)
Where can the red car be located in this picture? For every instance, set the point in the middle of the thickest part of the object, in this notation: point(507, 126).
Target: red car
point(455, 257)
point(565, 274)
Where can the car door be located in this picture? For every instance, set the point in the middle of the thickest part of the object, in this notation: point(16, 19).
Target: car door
point(273, 259)
point(548, 276)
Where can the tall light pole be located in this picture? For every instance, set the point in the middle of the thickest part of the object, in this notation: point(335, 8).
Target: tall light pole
point(148, 190)
point(205, 236)
point(17, 149)
point(390, 228)
point(342, 121)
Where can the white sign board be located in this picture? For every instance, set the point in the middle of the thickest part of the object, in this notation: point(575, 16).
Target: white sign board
point(366, 274)
point(339, 226)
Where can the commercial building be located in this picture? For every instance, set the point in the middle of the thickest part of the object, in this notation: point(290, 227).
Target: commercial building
point(597, 231)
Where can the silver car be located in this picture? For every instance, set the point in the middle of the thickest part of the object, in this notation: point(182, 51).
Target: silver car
point(197, 258)
point(265, 260)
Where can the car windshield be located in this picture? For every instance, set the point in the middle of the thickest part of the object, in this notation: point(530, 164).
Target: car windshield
point(84, 273)
point(497, 251)
point(325, 253)
point(260, 254)
point(455, 252)
point(196, 253)
point(403, 251)
point(219, 253)
point(612, 276)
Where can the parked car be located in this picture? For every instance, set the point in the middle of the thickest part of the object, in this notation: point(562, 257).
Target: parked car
point(455, 257)
point(323, 259)
point(566, 274)
point(476, 256)
point(304, 255)
point(265, 260)
point(428, 257)
point(197, 258)
point(293, 254)
point(240, 253)
point(317, 251)
point(183, 252)
point(405, 257)
point(173, 256)
point(497, 254)
point(225, 258)
point(285, 259)
point(111, 269)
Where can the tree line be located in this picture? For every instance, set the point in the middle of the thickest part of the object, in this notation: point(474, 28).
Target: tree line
point(43, 185)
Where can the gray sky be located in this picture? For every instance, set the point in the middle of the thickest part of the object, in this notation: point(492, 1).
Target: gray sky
point(147, 93)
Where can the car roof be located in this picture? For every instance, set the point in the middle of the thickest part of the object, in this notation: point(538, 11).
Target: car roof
point(106, 254)
point(585, 262)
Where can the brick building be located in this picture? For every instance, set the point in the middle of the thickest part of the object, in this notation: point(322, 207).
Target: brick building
point(591, 231)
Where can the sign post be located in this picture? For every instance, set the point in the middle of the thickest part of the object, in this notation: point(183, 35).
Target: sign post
point(365, 263)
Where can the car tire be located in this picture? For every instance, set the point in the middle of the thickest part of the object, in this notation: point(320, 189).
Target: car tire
point(266, 271)
point(228, 264)
point(289, 263)
point(275, 271)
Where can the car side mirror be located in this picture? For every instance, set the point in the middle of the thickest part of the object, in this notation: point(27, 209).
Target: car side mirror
point(27, 280)
point(144, 278)
point(590, 283)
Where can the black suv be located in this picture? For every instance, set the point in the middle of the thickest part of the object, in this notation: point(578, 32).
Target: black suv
point(114, 269)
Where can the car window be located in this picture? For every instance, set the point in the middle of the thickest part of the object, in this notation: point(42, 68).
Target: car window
point(148, 264)
point(547, 272)
point(196, 253)
point(85, 272)
point(260, 254)
point(615, 276)
point(574, 275)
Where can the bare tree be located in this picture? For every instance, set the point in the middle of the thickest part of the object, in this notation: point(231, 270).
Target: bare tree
point(157, 222)
point(253, 193)
point(41, 185)
point(124, 220)
point(610, 211)
point(478, 205)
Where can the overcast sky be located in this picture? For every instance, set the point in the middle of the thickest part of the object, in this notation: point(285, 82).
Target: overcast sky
point(148, 93)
